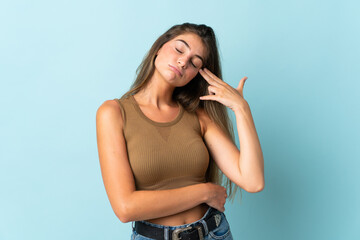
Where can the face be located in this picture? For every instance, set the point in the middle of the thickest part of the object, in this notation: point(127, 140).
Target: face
point(179, 60)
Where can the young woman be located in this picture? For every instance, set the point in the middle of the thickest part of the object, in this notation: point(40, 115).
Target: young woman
point(163, 143)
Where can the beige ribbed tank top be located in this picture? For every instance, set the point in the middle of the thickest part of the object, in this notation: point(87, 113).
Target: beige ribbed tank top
point(163, 155)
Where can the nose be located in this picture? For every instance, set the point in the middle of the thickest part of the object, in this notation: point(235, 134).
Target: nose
point(182, 62)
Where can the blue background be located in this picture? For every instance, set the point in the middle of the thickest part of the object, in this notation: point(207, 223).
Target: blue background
point(59, 60)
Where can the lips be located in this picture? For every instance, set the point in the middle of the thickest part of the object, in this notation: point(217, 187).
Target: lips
point(176, 70)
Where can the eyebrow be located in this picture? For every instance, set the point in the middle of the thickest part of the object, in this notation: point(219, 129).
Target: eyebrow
point(190, 48)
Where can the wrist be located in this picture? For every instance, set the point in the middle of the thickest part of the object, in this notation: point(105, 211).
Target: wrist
point(205, 192)
point(242, 108)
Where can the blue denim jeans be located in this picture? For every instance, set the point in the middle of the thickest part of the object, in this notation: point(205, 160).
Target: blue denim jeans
point(221, 232)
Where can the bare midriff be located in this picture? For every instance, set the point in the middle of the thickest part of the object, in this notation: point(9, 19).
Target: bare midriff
point(189, 216)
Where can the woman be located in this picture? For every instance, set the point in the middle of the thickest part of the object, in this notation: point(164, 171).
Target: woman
point(161, 144)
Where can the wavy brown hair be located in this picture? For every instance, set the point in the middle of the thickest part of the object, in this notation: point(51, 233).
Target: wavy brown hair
point(188, 95)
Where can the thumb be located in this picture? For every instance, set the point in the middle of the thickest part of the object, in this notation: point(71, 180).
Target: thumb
point(241, 85)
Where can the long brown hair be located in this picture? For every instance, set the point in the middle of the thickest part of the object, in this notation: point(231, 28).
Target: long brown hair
point(188, 95)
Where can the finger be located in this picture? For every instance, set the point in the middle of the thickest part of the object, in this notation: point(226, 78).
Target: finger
point(240, 87)
point(212, 90)
point(209, 79)
point(213, 76)
point(209, 97)
point(216, 79)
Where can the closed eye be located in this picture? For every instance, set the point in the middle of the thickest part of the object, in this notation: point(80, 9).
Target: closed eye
point(191, 62)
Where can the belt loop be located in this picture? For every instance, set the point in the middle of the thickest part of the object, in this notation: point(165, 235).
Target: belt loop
point(132, 225)
point(166, 233)
point(205, 227)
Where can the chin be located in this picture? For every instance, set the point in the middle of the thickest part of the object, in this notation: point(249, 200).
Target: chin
point(170, 76)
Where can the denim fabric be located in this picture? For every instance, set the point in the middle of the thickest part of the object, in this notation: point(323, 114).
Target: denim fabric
point(221, 232)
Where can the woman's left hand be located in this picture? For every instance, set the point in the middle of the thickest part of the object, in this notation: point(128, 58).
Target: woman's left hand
point(222, 92)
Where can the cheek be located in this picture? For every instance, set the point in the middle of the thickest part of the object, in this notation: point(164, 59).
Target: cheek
point(164, 58)
point(195, 72)
point(159, 61)
point(192, 75)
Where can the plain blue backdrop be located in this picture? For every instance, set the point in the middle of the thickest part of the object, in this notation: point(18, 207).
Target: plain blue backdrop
point(60, 60)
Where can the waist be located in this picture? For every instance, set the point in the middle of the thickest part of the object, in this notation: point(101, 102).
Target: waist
point(210, 222)
point(189, 216)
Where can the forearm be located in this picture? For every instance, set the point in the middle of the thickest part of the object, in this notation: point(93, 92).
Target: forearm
point(142, 205)
point(251, 162)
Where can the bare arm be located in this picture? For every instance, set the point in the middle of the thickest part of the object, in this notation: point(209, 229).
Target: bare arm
point(245, 169)
point(142, 205)
point(127, 203)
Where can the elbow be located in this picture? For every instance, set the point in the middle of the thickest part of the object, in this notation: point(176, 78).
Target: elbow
point(123, 213)
point(256, 188)
point(123, 218)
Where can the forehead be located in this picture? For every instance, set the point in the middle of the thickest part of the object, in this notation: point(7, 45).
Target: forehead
point(194, 41)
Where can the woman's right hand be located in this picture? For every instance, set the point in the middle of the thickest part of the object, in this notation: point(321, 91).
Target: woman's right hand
point(216, 196)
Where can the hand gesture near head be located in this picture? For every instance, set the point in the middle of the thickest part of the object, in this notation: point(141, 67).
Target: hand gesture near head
point(222, 92)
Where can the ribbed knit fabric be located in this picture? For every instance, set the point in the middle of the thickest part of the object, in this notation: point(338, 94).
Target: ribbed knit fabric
point(163, 155)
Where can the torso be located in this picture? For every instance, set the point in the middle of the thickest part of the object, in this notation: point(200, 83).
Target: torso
point(190, 215)
point(186, 217)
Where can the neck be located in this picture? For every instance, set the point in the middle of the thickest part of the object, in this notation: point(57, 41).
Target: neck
point(157, 92)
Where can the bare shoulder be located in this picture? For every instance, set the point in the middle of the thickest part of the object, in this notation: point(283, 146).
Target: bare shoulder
point(109, 106)
point(109, 111)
